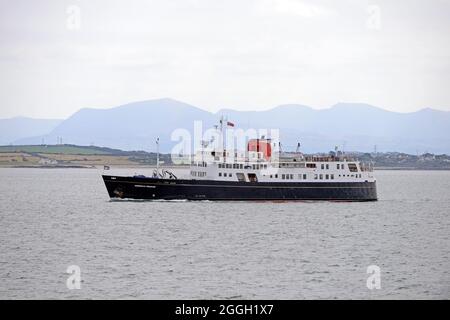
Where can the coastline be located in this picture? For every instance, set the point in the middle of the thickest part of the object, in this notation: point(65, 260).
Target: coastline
point(185, 167)
point(83, 157)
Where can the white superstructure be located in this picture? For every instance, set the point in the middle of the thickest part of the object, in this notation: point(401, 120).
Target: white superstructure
point(257, 166)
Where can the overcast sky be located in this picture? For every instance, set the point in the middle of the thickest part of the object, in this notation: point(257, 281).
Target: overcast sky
point(58, 56)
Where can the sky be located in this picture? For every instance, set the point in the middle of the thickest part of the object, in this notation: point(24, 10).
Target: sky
point(57, 56)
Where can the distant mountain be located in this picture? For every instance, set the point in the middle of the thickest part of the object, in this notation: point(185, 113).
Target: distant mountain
point(18, 128)
point(359, 127)
point(133, 126)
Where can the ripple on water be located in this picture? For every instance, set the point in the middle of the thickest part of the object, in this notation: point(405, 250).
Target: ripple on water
point(221, 250)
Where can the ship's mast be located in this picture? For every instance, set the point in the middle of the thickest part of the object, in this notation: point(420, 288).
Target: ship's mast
point(222, 138)
point(222, 119)
point(157, 157)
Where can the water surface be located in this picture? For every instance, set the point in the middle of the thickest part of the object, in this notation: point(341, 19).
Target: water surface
point(53, 218)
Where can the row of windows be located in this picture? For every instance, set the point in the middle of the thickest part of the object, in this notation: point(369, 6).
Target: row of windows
point(341, 166)
point(326, 166)
point(323, 166)
point(326, 176)
point(241, 166)
point(200, 164)
point(288, 176)
point(352, 175)
point(284, 176)
point(225, 174)
point(230, 166)
point(316, 176)
point(198, 173)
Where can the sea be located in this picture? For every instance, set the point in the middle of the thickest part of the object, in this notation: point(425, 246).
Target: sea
point(61, 237)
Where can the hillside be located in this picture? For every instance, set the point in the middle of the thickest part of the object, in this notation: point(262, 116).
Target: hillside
point(351, 126)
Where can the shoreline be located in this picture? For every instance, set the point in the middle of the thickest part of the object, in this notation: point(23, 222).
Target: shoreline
point(93, 167)
point(187, 167)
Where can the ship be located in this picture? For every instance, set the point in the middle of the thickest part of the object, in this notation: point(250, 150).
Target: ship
point(253, 175)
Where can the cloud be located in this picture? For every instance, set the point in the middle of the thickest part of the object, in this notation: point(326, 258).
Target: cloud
point(246, 54)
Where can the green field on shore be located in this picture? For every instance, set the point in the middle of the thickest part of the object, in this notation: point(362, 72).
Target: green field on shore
point(67, 155)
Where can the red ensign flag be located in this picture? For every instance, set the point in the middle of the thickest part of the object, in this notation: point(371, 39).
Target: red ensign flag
point(231, 124)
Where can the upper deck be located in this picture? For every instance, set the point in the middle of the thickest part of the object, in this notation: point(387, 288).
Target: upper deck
point(256, 168)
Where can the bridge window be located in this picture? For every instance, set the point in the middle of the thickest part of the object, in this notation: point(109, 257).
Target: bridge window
point(220, 174)
point(252, 177)
point(327, 176)
point(338, 166)
point(321, 176)
point(304, 177)
point(332, 176)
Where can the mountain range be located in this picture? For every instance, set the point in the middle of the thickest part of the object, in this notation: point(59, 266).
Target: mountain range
point(135, 126)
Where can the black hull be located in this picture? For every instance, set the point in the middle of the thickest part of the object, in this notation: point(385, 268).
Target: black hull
point(165, 189)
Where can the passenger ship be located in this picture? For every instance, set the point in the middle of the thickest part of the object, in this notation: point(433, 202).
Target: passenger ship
point(254, 175)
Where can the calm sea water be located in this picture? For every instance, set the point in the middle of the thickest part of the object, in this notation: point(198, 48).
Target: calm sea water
point(51, 219)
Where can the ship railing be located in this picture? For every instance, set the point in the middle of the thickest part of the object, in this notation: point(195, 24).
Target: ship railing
point(319, 159)
point(366, 167)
